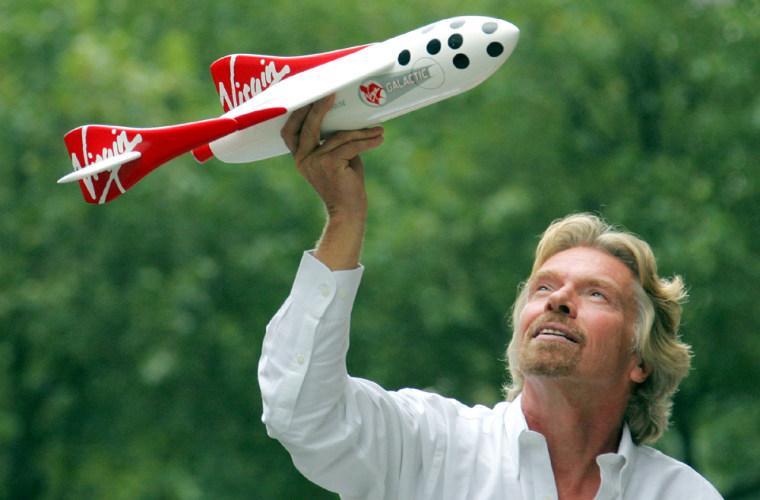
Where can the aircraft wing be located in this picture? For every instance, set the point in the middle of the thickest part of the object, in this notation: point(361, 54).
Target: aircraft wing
point(320, 81)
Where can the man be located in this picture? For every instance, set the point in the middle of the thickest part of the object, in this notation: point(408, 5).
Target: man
point(594, 359)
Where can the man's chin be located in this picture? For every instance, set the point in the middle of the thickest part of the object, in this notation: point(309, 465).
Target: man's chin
point(547, 370)
point(554, 360)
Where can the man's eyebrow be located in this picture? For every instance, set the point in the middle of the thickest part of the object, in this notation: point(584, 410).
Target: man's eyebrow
point(607, 285)
point(541, 275)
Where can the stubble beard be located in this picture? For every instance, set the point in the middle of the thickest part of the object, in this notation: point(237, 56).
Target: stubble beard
point(549, 359)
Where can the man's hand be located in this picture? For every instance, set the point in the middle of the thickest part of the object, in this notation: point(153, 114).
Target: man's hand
point(336, 173)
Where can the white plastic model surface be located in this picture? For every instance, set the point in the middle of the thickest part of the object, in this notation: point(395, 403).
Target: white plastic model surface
point(372, 83)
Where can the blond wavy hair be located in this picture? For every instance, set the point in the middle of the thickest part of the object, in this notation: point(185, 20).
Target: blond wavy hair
point(658, 302)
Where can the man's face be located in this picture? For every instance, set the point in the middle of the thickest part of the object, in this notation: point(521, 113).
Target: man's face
point(578, 322)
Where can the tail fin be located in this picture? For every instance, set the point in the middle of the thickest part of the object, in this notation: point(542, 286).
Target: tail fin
point(240, 77)
point(129, 154)
point(95, 148)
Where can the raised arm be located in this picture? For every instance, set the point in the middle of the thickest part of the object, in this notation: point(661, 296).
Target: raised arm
point(346, 434)
point(335, 171)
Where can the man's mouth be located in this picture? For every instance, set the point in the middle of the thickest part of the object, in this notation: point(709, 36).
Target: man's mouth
point(553, 334)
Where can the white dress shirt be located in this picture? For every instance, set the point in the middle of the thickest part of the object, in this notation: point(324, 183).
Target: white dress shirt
point(353, 437)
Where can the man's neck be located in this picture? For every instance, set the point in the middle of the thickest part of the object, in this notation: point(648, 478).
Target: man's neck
point(578, 427)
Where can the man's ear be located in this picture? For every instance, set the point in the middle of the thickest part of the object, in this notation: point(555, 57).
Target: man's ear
point(640, 372)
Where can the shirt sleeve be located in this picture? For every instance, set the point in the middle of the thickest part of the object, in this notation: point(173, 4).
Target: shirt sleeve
point(319, 306)
point(346, 434)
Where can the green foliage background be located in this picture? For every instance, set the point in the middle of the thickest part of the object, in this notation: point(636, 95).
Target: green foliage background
point(130, 333)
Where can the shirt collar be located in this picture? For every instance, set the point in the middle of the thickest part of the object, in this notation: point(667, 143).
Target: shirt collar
point(515, 425)
point(616, 468)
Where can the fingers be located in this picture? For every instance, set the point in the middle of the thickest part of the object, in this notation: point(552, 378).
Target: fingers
point(301, 131)
point(292, 128)
point(310, 129)
point(344, 146)
point(351, 136)
point(302, 136)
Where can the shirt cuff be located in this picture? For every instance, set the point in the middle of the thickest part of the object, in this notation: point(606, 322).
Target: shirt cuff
point(323, 292)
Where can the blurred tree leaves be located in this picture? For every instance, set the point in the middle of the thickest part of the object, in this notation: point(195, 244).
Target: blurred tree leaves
point(130, 333)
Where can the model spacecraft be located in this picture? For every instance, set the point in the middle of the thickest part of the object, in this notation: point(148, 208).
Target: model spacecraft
point(372, 83)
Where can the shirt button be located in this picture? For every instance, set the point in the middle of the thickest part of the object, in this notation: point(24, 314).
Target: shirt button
point(300, 359)
point(341, 293)
point(324, 290)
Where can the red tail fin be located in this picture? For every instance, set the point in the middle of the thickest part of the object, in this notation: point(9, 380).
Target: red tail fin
point(90, 144)
point(240, 77)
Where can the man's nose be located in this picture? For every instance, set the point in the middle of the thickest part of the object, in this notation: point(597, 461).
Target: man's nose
point(561, 303)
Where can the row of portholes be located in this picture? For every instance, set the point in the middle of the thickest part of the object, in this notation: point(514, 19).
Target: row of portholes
point(455, 41)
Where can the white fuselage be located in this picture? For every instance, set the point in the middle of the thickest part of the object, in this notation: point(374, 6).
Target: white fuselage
point(432, 63)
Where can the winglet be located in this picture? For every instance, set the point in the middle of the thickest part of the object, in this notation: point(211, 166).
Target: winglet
point(101, 166)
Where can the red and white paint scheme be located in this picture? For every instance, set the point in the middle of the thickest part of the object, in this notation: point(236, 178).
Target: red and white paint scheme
point(372, 83)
